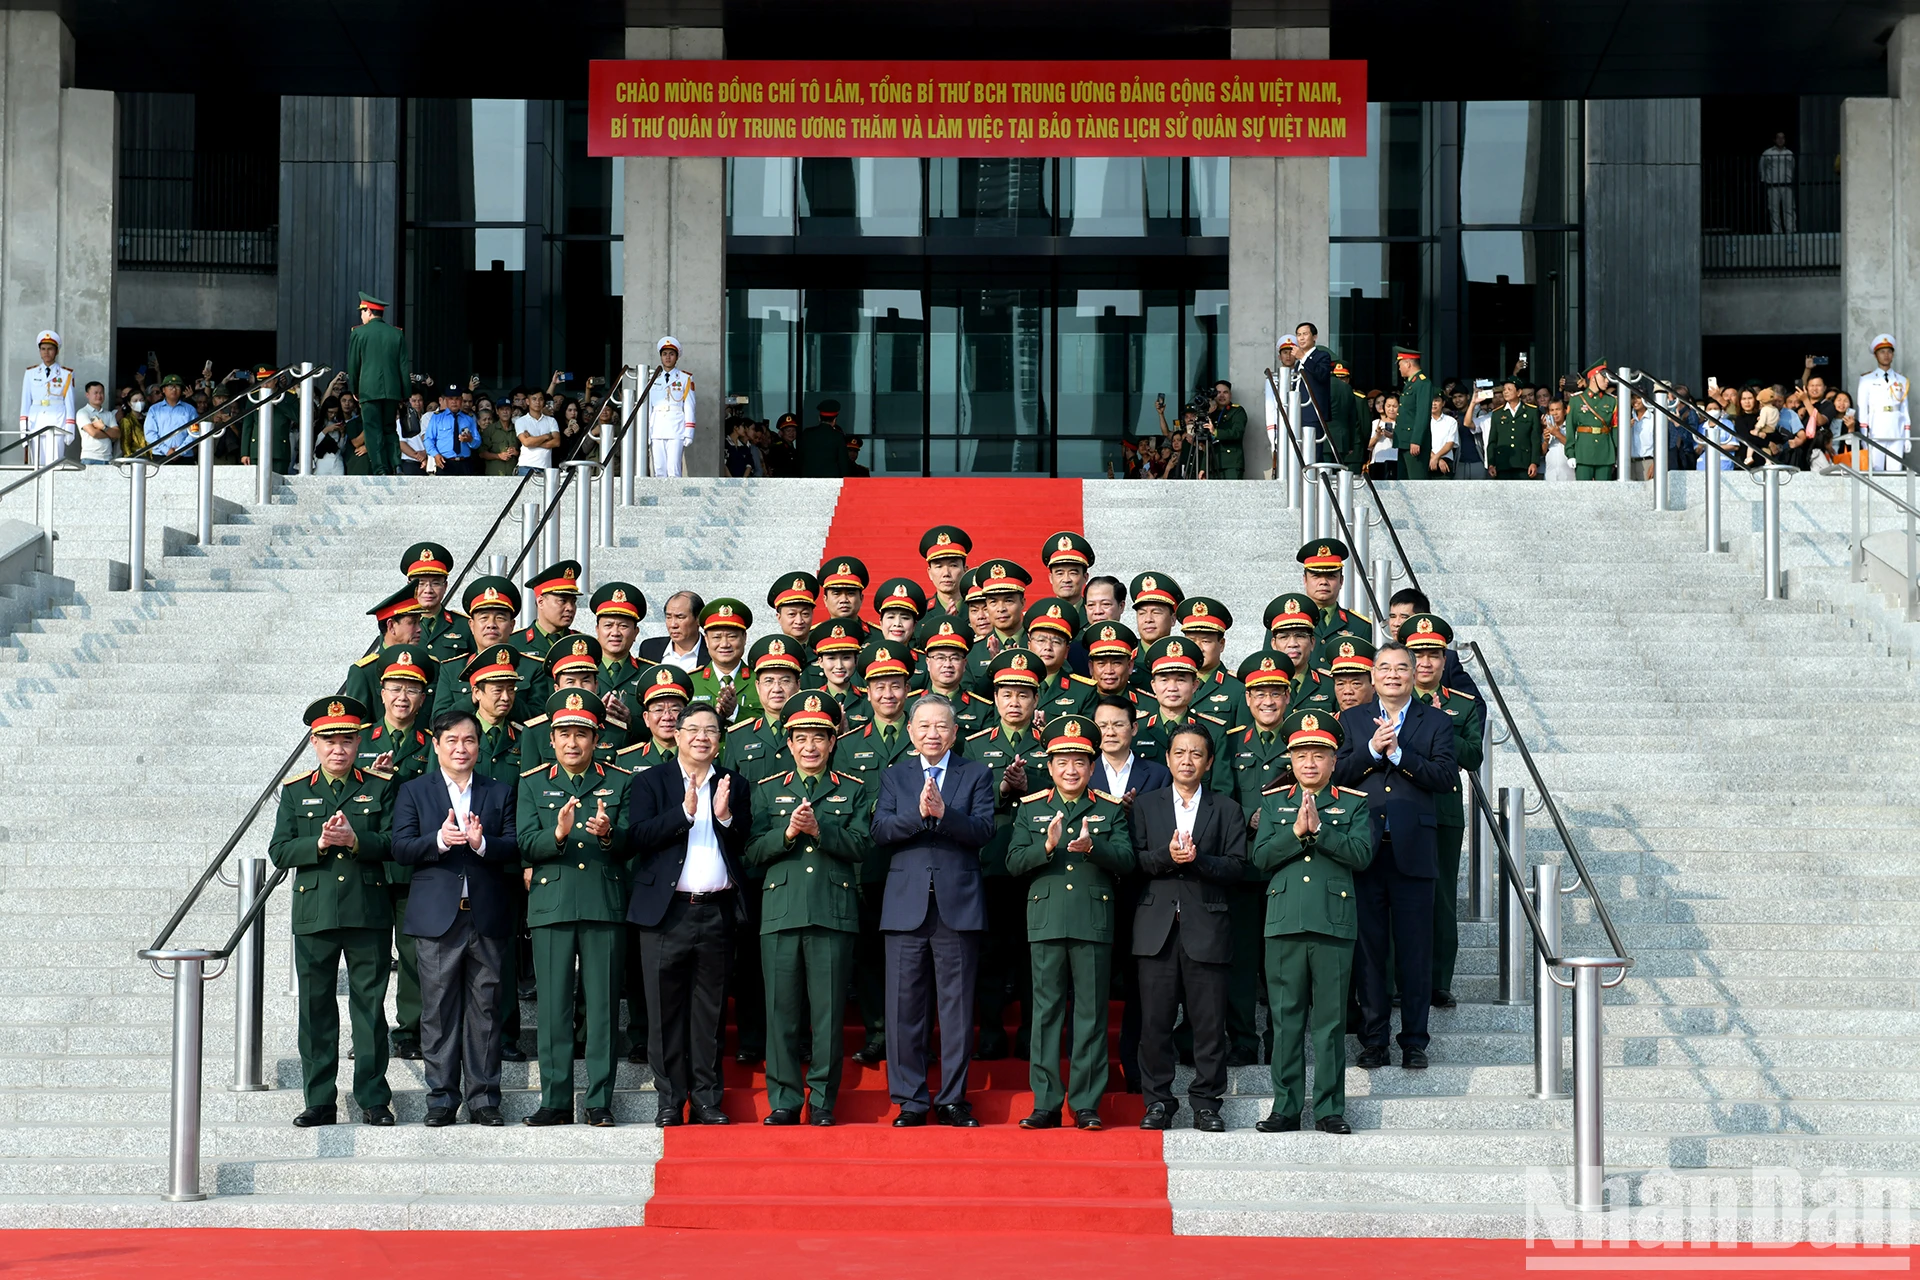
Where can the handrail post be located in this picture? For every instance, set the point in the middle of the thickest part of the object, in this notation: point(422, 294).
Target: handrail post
point(1513, 917)
point(1660, 460)
point(1547, 1060)
point(43, 516)
point(1349, 588)
point(249, 982)
point(1290, 461)
point(137, 525)
point(1913, 548)
point(1622, 431)
point(604, 478)
point(497, 564)
point(203, 502)
point(583, 485)
point(1360, 517)
point(550, 501)
point(1309, 504)
point(531, 541)
point(305, 370)
point(1711, 484)
point(629, 444)
point(1481, 858)
point(1382, 587)
point(263, 447)
point(1589, 1114)
point(1770, 530)
point(189, 977)
point(1857, 548)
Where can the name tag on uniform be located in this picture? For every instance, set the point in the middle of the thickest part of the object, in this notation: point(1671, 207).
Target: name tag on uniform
point(553, 793)
point(604, 791)
point(363, 799)
point(309, 802)
point(784, 799)
point(1333, 811)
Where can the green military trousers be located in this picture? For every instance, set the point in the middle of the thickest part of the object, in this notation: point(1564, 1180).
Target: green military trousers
point(806, 972)
point(1307, 977)
point(316, 965)
point(600, 948)
point(1081, 971)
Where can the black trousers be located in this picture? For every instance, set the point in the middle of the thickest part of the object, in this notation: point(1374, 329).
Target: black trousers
point(1396, 930)
point(931, 972)
point(686, 957)
point(1168, 979)
point(745, 983)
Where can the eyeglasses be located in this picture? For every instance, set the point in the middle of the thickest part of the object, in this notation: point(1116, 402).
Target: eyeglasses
point(693, 731)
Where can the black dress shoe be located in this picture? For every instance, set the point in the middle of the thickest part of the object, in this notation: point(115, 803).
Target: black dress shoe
point(910, 1120)
point(1159, 1116)
point(488, 1116)
point(409, 1049)
point(668, 1117)
point(1040, 1120)
point(820, 1116)
point(747, 1058)
point(439, 1117)
point(1242, 1058)
point(549, 1116)
point(315, 1117)
point(871, 1054)
point(1370, 1059)
point(579, 1050)
point(1088, 1120)
point(1277, 1123)
point(512, 1053)
point(1209, 1122)
point(957, 1114)
point(381, 1117)
point(637, 1055)
point(1443, 1000)
point(782, 1116)
point(1413, 1059)
point(707, 1115)
point(600, 1117)
point(990, 1050)
point(1333, 1124)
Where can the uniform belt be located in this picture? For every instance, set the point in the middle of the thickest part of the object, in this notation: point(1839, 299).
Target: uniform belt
point(466, 904)
point(715, 896)
point(1593, 430)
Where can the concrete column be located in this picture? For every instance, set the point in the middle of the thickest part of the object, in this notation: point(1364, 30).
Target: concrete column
point(339, 227)
point(59, 161)
point(1880, 213)
point(676, 256)
point(1642, 296)
point(1277, 252)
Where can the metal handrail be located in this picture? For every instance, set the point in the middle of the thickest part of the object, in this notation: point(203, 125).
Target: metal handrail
point(215, 413)
point(35, 434)
point(1860, 477)
point(1628, 377)
point(27, 479)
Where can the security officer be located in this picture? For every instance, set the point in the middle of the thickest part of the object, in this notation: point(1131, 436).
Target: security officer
point(1071, 844)
point(398, 746)
point(618, 608)
point(444, 631)
point(1413, 430)
point(492, 605)
point(572, 829)
point(1003, 588)
point(333, 830)
point(1155, 596)
point(46, 401)
point(1290, 620)
point(756, 746)
point(1428, 636)
point(1173, 666)
point(378, 375)
point(1050, 627)
point(449, 437)
point(1013, 749)
point(943, 664)
point(572, 663)
point(1513, 437)
point(1323, 572)
point(812, 829)
point(280, 425)
point(1352, 670)
point(1257, 753)
point(1206, 621)
point(1312, 837)
point(670, 410)
point(945, 548)
point(791, 598)
point(1590, 421)
point(1229, 422)
point(823, 449)
point(1880, 400)
point(725, 680)
point(399, 617)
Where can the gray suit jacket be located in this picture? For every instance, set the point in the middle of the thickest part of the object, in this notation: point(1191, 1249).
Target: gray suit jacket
point(938, 860)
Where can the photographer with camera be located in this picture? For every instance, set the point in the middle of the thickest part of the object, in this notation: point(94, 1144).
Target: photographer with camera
point(1227, 430)
point(1178, 459)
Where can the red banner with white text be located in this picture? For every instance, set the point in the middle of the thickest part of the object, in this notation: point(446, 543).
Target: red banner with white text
point(977, 109)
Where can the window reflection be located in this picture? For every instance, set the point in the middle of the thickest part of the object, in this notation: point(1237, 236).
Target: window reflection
point(760, 195)
point(862, 196)
point(499, 181)
point(990, 197)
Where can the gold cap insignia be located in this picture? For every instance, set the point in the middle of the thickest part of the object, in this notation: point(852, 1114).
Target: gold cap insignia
point(1071, 728)
point(405, 658)
point(1326, 550)
point(799, 584)
point(619, 596)
point(776, 647)
point(336, 708)
point(946, 628)
point(1198, 609)
point(998, 571)
point(490, 595)
point(1108, 633)
point(813, 704)
point(1019, 662)
point(575, 702)
point(1053, 611)
point(504, 656)
point(663, 676)
point(1309, 722)
point(943, 540)
point(1266, 664)
point(1425, 627)
point(1065, 543)
point(900, 590)
point(838, 633)
point(843, 567)
point(1346, 650)
point(724, 611)
point(1176, 650)
point(1147, 583)
point(882, 655)
point(426, 554)
point(579, 648)
point(568, 574)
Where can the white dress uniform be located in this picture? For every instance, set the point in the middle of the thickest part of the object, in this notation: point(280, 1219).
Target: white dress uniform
point(670, 415)
point(46, 400)
point(1880, 406)
point(1286, 377)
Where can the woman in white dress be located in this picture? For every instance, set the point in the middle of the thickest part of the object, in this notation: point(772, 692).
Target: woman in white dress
point(1556, 466)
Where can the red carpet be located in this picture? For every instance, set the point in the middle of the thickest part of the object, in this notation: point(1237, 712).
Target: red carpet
point(881, 521)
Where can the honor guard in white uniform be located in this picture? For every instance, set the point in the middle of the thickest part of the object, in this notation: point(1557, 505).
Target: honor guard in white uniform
point(46, 400)
point(1881, 405)
point(1285, 376)
point(670, 410)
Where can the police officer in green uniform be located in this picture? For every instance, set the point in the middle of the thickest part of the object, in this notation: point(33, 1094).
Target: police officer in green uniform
point(400, 748)
point(1050, 626)
point(398, 617)
point(1513, 437)
point(943, 664)
point(333, 830)
point(1428, 636)
point(945, 548)
point(492, 604)
point(1312, 837)
point(572, 829)
point(1413, 430)
point(812, 828)
point(1173, 665)
point(1003, 588)
point(446, 633)
point(1591, 416)
point(1155, 596)
point(1071, 844)
point(1323, 572)
point(725, 680)
point(1291, 620)
point(378, 374)
point(1018, 757)
point(1257, 753)
point(1206, 621)
point(1228, 461)
point(572, 663)
point(756, 747)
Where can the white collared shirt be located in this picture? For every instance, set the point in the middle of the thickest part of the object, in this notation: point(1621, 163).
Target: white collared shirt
point(705, 870)
point(1184, 812)
point(462, 798)
point(687, 661)
point(1120, 776)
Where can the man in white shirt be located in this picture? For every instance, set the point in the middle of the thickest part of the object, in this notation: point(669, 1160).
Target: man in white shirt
point(538, 434)
point(1880, 406)
point(99, 430)
point(1446, 440)
point(46, 401)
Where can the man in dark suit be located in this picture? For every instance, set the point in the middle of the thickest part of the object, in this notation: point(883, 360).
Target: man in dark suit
point(1191, 842)
point(1122, 774)
point(682, 616)
point(688, 832)
point(1399, 751)
point(455, 828)
point(933, 815)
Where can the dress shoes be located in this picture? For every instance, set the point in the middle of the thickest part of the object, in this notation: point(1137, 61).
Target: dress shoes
point(990, 1048)
point(511, 1052)
point(1159, 1116)
point(1042, 1120)
point(1371, 1059)
point(747, 1058)
point(1413, 1059)
point(668, 1117)
point(315, 1117)
point(409, 1049)
point(600, 1117)
point(546, 1116)
point(1242, 1058)
point(1333, 1124)
point(910, 1119)
point(380, 1117)
point(1443, 1000)
point(439, 1117)
point(820, 1117)
point(871, 1054)
point(488, 1116)
point(1277, 1123)
point(1088, 1120)
point(699, 1114)
point(1209, 1122)
point(957, 1114)
point(780, 1116)
point(637, 1055)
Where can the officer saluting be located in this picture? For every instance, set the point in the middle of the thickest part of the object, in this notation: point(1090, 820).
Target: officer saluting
point(46, 400)
point(670, 410)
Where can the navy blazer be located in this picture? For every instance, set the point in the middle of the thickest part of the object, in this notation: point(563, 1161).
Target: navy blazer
point(1146, 775)
point(1401, 796)
point(657, 827)
point(434, 899)
point(940, 859)
point(1193, 893)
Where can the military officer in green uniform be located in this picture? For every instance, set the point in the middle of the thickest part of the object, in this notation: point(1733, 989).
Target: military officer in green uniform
point(492, 604)
point(572, 829)
point(1003, 588)
point(1070, 844)
point(492, 678)
point(1230, 436)
point(725, 680)
point(378, 375)
point(1347, 421)
point(445, 632)
point(1049, 627)
point(333, 830)
point(755, 744)
point(945, 548)
point(617, 610)
point(1428, 636)
point(556, 600)
point(811, 832)
point(1155, 597)
point(791, 598)
point(822, 447)
point(1591, 415)
point(282, 419)
point(1069, 558)
point(1257, 753)
point(1352, 669)
point(1173, 665)
point(900, 602)
point(843, 586)
point(1413, 430)
point(400, 748)
point(398, 617)
point(572, 663)
point(1206, 621)
point(944, 649)
point(835, 645)
point(1291, 620)
point(1323, 572)
point(1013, 749)
point(1513, 437)
point(1312, 837)
point(1111, 650)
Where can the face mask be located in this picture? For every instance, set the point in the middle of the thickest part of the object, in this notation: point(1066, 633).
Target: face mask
point(139, 405)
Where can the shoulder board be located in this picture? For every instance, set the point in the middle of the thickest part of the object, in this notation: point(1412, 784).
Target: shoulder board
point(528, 773)
point(638, 746)
point(979, 734)
point(369, 658)
point(1237, 728)
point(1041, 794)
point(1356, 615)
point(1141, 712)
point(1201, 715)
point(618, 769)
point(773, 777)
point(1457, 693)
point(1348, 791)
point(1275, 788)
point(539, 719)
point(743, 720)
point(1074, 675)
point(292, 778)
point(383, 774)
point(1104, 796)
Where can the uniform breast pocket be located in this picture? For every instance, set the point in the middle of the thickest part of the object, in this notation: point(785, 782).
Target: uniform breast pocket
point(1340, 904)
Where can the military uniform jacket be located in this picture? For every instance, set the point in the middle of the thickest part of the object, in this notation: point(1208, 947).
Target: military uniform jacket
point(996, 749)
point(1469, 716)
point(536, 684)
point(363, 679)
point(448, 637)
point(1415, 426)
point(707, 684)
point(1312, 886)
point(1065, 694)
point(639, 757)
point(1230, 437)
point(623, 677)
point(1343, 425)
point(751, 744)
point(46, 399)
point(810, 880)
point(1152, 733)
point(1513, 438)
point(1313, 688)
point(500, 753)
point(335, 888)
point(1335, 622)
point(536, 744)
point(971, 713)
point(1221, 696)
point(1590, 420)
point(377, 366)
point(1256, 765)
point(412, 756)
point(1070, 896)
point(579, 878)
point(864, 751)
point(978, 678)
